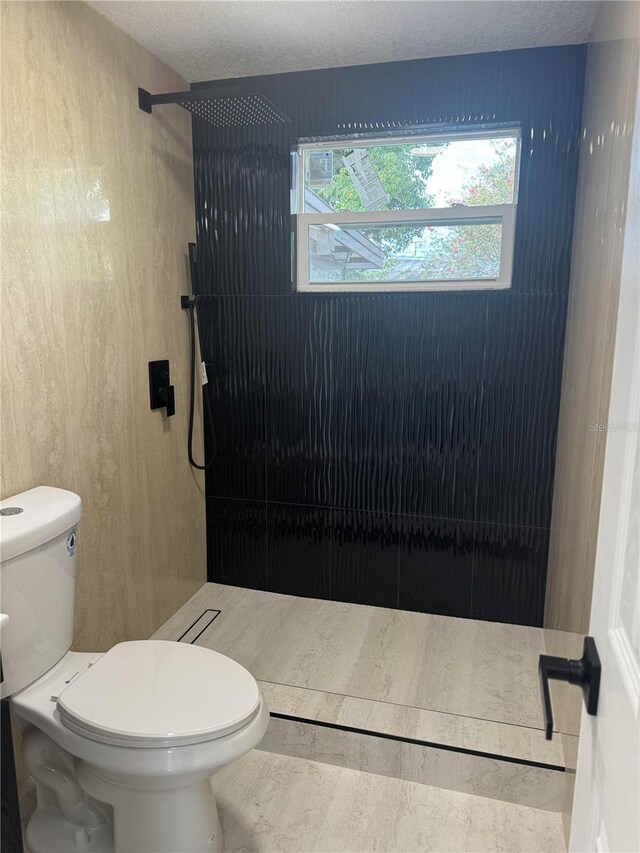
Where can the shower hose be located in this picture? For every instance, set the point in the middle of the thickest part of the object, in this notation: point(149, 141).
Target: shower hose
point(210, 439)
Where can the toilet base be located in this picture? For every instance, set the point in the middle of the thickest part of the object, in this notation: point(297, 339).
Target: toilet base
point(80, 809)
point(185, 821)
point(171, 820)
point(48, 832)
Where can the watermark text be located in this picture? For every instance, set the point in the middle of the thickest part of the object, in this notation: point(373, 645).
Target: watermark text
point(614, 426)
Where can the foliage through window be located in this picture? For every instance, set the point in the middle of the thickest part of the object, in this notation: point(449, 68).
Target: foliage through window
point(422, 212)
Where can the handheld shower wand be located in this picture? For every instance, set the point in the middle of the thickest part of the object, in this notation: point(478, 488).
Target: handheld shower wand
point(189, 304)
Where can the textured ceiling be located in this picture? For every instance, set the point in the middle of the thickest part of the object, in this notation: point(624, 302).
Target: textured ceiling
point(213, 39)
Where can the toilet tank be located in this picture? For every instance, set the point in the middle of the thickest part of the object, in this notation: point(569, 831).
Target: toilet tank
point(37, 582)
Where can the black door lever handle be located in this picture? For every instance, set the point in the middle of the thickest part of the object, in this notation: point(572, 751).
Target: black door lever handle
point(584, 673)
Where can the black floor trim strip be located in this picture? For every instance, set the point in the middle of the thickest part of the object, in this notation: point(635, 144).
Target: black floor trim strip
point(195, 622)
point(447, 747)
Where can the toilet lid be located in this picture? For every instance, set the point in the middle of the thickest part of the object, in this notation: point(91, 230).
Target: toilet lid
point(157, 693)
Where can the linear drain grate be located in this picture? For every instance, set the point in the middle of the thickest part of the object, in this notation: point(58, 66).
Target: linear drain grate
point(197, 628)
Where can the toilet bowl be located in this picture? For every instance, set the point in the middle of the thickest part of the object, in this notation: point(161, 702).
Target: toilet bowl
point(121, 744)
point(139, 730)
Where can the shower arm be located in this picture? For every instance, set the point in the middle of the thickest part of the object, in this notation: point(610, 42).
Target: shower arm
point(146, 101)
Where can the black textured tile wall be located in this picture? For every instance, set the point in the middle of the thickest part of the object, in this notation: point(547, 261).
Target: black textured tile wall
point(298, 550)
point(413, 92)
point(299, 413)
point(401, 446)
point(242, 192)
point(237, 542)
point(509, 572)
point(364, 557)
point(436, 565)
point(233, 343)
point(441, 396)
point(522, 377)
point(368, 360)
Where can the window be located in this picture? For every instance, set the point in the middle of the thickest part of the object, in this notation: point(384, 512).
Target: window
point(420, 212)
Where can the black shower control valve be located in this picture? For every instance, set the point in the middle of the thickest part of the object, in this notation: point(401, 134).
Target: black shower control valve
point(161, 391)
point(167, 395)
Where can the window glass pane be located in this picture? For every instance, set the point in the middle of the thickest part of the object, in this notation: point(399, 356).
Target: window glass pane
point(408, 252)
point(422, 173)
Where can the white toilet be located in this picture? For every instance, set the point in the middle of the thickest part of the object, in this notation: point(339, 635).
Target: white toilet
point(121, 744)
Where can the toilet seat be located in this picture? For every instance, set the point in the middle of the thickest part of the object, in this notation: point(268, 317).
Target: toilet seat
point(157, 693)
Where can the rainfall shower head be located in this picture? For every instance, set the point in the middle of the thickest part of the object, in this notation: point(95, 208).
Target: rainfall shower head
point(219, 107)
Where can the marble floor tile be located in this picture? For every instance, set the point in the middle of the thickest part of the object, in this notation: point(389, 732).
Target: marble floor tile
point(463, 667)
point(445, 768)
point(433, 727)
point(270, 802)
point(570, 748)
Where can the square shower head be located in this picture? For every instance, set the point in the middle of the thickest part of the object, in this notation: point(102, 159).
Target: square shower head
point(235, 110)
point(218, 108)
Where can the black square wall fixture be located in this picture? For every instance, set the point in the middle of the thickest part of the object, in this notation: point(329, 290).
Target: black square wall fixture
point(509, 571)
point(237, 542)
point(436, 566)
point(364, 558)
point(298, 550)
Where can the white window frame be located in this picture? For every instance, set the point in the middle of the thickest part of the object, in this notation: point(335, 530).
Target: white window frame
point(503, 214)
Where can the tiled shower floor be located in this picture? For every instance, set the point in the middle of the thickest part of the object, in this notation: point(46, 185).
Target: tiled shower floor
point(459, 682)
point(390, 730)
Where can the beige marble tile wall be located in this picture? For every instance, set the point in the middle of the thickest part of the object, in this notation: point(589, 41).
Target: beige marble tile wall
point(97, 210)
point(611, 79)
